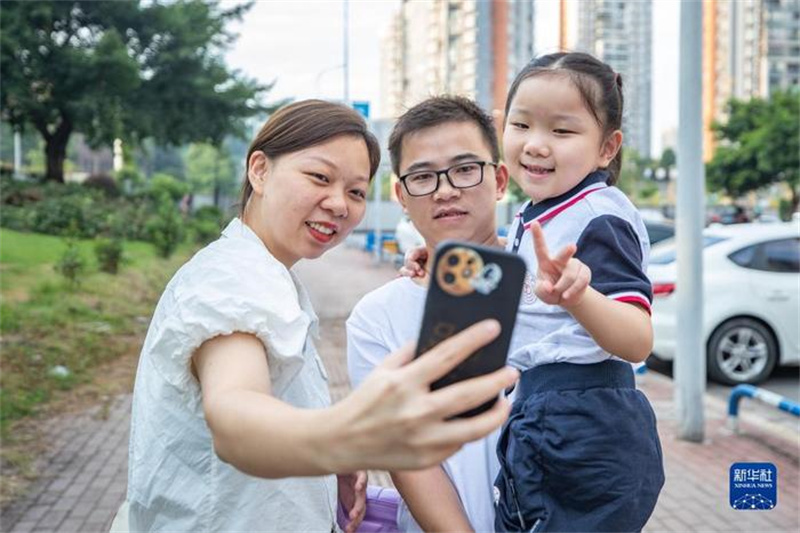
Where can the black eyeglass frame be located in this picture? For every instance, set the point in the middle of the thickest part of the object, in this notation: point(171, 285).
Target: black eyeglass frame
point(481, 164)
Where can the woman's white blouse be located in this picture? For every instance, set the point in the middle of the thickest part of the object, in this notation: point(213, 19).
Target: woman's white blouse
point(175, 480)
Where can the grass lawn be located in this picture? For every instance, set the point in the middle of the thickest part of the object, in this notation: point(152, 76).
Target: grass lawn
point(45, 323)
point(26, 259)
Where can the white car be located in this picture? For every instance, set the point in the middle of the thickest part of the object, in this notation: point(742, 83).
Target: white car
point(407, 235)
point(751, 289)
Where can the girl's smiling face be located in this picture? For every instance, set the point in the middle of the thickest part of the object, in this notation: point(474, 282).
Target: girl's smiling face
point(551, 140)
point(308, 201)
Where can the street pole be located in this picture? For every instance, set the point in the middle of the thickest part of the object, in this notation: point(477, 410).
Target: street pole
point(17, 154)
point(376, 217)
point(346, 60)
point(690, 357)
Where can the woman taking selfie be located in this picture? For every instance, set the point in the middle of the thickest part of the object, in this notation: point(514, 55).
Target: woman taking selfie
point(232, 426)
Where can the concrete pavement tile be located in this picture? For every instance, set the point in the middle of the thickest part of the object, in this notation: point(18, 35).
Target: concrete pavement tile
point(48, 497)
point(654, 525)
point(82, 509)
point(117, 490)
point(61, 483)
point(672, 523)
point(109, 470)
point(102, 481)
point(90, 470)
point(72, 525)
point(52, 520)
point(96, 526)
point(75, 490)
point(35, 512)
point(92, 495)
point(110, 501)
point(65, 504)
point(22, 527)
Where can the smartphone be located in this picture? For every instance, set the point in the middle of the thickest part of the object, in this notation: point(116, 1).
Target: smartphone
point(470, 283)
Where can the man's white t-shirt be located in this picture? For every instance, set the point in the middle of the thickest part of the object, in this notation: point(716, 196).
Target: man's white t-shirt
point(383, 321)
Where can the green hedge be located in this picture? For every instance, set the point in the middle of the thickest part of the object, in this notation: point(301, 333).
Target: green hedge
point(72, 210)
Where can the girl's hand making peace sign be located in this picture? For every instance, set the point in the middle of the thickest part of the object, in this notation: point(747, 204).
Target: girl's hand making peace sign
point(560, 280)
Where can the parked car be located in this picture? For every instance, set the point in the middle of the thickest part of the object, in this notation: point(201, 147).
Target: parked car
point(652, 214)
point(751, 300)
point(407, 235)
point(659, 231)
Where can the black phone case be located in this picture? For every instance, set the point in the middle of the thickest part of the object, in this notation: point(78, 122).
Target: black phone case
point(465, 288)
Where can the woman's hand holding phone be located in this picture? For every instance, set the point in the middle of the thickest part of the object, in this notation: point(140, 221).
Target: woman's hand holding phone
point(394, 421)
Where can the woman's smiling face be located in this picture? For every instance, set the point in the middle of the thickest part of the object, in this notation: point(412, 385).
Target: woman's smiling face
point(308, 201)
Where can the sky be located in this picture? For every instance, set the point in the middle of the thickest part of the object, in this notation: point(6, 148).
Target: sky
point(299, 44)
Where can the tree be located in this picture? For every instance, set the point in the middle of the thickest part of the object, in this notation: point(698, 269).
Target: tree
point(631, 175)
point(759, 144)
point(209, 169)
point(125, 70)
point(667, 161)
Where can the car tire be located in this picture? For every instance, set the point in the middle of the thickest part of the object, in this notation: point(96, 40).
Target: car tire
point(741, 350)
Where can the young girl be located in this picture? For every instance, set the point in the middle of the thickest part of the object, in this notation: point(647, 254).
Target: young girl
point(580, 451)
point(232, 428)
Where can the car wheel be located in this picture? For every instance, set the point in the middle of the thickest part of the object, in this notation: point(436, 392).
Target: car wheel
point(741, 350)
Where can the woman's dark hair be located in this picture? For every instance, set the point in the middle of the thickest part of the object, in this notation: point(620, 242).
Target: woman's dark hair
point(599, 86)
point(307, 123)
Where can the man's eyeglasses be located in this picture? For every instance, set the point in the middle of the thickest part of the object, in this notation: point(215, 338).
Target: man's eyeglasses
point(460, 176)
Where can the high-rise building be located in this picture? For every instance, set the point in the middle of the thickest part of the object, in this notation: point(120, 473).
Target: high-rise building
point(391, 77)
point(619, 32)
point(751, 48)
point(518, 34)
point(733, 58)
point(467, 47)
point(782, 24)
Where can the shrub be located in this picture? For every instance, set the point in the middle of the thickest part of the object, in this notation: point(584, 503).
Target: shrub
point(165, 229)
point(208, 212)
point(109, 254)
point(165, 185)
point(785, 209)
point(72, 265)
point(16, 218)
point(74, 215)
point(104, 183)
point(130, 180)
point(19, 194)
point(205, 231)
point(74, 210)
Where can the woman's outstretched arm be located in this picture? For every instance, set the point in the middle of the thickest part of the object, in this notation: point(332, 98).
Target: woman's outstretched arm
point(393, 421)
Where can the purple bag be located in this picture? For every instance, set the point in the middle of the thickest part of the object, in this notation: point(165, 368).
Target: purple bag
point(383, 505)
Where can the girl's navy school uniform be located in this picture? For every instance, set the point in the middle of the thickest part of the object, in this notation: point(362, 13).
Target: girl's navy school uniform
point(580, 451)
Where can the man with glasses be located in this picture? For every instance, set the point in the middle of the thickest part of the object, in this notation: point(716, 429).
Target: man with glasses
point(446, 155)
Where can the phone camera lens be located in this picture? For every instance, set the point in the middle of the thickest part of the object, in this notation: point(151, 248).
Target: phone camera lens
point(452, 260)
point(449, 278)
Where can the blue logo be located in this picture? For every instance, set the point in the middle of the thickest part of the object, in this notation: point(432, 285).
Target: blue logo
point(753, 486)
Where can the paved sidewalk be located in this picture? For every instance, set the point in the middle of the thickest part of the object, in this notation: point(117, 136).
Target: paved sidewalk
point(84, 474)
point(86, 468)
point(695, 495)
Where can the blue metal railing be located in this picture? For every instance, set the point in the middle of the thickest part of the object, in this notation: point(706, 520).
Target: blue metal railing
point(762, 395)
